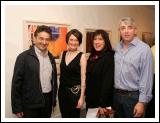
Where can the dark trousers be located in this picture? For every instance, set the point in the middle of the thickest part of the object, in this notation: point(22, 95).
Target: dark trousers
point(124, 103)
point(43, 112)
point(67, 106)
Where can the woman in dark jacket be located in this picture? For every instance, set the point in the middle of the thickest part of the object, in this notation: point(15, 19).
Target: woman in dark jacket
point(100, 73)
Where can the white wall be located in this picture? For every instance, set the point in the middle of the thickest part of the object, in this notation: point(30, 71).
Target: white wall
point(80, 17)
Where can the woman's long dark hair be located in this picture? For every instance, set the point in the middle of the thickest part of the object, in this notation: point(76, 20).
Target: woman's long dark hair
point(105, 36)
point(96, 54)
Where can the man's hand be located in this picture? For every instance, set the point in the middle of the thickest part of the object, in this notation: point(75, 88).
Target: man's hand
point(139, 109)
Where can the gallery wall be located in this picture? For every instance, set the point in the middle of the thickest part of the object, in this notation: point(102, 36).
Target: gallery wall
point(78, 16)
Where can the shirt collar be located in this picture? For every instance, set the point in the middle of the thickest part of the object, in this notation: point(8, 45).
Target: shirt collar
point(45, 53)
point(132, 43)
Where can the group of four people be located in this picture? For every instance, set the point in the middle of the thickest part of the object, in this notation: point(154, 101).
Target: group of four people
point(121, 78)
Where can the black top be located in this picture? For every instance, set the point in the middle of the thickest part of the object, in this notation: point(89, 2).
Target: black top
point(71, 73)
point(99, 80)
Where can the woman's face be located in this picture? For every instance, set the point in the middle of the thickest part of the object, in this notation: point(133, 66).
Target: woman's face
point(98, 43)
point(73, 43)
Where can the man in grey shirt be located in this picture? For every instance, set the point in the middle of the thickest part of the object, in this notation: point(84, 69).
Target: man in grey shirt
point(133, 72)
point(34, 83)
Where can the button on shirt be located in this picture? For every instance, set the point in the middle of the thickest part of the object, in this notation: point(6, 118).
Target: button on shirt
point(45, 70)
point(133, 69)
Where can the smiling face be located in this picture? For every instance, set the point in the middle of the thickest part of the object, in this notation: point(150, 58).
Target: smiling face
point(98, 43)
point(127, 32)
point(73, 43)
point(127, 28)
point(41, 41)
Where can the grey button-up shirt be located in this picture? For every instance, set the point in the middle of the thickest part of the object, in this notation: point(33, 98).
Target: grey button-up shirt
point(45, 70)
point(133, 69)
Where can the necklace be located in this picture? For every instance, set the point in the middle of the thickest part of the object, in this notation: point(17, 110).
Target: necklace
point(70, 53)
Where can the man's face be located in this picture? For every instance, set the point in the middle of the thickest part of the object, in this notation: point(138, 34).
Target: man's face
point(41, 41)
point(127, 32)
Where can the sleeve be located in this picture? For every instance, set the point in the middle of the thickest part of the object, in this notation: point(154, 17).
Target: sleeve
point(106, 98)
point(17, 80)
point(55, 84)
point(146, 77)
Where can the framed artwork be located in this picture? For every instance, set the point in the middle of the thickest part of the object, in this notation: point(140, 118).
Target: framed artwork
point(89, 38)
point(58, 42)
point(147, 37)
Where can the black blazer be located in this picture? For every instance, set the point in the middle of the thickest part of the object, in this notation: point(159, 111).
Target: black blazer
point(26, 88)
point(100, 80)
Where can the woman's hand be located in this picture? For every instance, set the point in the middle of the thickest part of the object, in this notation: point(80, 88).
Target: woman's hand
point(102, 110)
point(80, 102)
point(19, 114)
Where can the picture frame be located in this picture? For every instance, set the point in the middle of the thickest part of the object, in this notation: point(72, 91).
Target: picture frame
point(89, 38)
point(147, 37)
point(58, 42)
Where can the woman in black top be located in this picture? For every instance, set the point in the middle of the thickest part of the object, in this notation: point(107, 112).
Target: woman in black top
point(72, 77)
point(100, 73)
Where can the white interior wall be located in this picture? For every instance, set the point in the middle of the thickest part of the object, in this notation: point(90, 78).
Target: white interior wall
point(78, 16)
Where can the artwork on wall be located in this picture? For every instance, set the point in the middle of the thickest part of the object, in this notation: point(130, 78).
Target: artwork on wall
point(58, 42)
point(89, 38)
point(148, 38)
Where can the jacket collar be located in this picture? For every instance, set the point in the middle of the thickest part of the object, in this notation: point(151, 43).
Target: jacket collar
point(33, 53)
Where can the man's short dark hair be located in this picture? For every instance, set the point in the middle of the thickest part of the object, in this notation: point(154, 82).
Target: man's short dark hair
point(43, 28)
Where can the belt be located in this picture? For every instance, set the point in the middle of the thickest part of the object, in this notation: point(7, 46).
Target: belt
point(47, 94)
point(125, 91)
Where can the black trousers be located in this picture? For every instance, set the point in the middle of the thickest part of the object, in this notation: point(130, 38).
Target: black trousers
point(67, 106)
point(42, 112)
